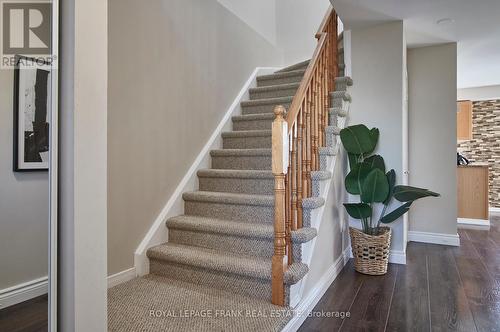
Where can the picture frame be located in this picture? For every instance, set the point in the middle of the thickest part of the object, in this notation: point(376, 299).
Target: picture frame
point(32, 105)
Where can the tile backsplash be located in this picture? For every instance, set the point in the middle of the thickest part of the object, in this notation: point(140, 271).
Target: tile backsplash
point(485, 145)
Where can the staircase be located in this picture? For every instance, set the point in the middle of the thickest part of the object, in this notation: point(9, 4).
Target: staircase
point(224, 241)
point(225, 238)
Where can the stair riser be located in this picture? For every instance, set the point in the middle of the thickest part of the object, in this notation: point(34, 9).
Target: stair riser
point(339, 102)
point(252, 287)
point(323, 161)
point(255, 142)
point(272, 94)
point(331, 140)
point(264, 142)
point(294, 67)
point(243, 213)
point(245, 186)
point(229, 243)
point(238, 185)
point(243, 162)
point(253, 125)
point(278, 81)
point(341, 86)
point(333, 119)
point(237, 212)
point(261, 108)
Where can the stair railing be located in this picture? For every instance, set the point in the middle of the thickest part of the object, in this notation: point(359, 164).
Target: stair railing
point(297, 136)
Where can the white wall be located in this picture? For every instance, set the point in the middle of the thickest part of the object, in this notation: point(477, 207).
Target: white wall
point(479, 93)
point(83, 167)
point(290, 25)
point(297, 23)
point(432, 93)
point(260, 15)
point(24, 205)
point(377, 56)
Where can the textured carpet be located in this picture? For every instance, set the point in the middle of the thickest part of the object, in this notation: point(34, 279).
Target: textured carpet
point(155, 303)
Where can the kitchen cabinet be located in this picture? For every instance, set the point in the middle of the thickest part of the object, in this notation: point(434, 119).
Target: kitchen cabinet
point(464, 120)
point(473, 197)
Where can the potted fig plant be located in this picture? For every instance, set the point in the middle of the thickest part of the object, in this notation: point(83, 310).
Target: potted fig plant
point(369, 180)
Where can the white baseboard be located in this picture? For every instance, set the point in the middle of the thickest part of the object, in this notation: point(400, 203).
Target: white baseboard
point(308, 303)
point(122, 277)
point(157, 234)
point(397, 257)
point(434, 238)
point(23, 292)
point(494, 210)
point(473, 222)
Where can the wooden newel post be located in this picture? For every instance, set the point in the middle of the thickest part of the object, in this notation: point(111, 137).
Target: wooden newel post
point(279, 164)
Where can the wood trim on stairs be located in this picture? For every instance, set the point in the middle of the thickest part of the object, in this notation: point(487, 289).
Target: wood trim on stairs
point(121, 277)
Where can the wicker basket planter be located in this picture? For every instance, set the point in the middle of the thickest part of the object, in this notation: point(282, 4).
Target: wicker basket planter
point(370, 252)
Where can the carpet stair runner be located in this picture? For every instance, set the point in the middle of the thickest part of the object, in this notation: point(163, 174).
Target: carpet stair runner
point(224, 240)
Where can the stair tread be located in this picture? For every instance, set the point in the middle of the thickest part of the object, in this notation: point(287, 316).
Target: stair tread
point(291, 73)
point(332, 130)
point(338, 111)
point(321, 175)
point(276, 87)
point(253, 117)
point(245, 199)
point(210, 259)
point(267, 101)
point(328, 151)
point(247, 133)
point(236, 228)
point(240, 152)
point(344, 79)
point(341, 94)
point(229, 198)
point(294, 66)
point(236, 173)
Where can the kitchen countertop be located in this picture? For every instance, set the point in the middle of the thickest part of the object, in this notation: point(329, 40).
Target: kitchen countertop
point(475, 165)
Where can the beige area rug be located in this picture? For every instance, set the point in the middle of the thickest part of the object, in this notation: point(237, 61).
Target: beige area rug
point(155, 303)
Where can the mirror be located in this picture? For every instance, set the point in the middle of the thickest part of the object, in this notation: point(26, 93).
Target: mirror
point(28, 160)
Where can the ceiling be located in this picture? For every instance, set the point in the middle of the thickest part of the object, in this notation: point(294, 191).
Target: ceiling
point(475, 26)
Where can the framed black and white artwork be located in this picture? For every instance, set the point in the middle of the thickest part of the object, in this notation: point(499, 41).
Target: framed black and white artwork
point(32, 104)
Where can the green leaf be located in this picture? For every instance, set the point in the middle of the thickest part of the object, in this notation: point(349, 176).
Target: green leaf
point(408, 193)
point(357, 139)
point(354, 180)
point(374, 136)
point(358, 210)
point(353, 159)
point(375, 187)
point(394, 215)
point(376, 161)
point(391, 179)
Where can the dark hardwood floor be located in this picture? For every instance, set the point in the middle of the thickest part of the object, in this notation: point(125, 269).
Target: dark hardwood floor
point(29, 316)
point(440, 289)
